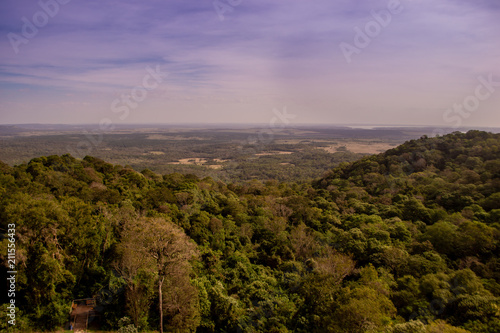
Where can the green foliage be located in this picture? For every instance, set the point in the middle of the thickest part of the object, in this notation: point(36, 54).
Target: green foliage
point(413, 326)
point(125, 326)
point(404, 241)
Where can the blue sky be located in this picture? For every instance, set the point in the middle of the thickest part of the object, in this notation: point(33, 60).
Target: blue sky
point(262, 55)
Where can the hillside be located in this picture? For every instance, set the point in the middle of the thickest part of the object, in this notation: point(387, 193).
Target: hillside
point(404, 241)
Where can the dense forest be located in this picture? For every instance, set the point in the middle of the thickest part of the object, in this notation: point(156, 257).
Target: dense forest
point(403, 241)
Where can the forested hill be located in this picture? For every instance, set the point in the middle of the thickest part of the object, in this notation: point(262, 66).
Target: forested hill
point(448, 173)
point(405, 241)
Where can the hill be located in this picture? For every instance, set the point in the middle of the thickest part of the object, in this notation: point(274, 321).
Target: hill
point(404, 241)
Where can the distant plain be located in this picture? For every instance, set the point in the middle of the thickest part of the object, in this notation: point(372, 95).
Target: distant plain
point(224, 152)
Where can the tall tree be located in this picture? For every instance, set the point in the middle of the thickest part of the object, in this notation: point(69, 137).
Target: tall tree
point(171, 250)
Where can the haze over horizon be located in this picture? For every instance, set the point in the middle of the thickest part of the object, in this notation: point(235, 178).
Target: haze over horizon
point(376, 62)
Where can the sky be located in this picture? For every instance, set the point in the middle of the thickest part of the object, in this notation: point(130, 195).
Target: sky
point(390, 62)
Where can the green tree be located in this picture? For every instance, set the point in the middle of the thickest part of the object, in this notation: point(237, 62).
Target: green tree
point(171, 250)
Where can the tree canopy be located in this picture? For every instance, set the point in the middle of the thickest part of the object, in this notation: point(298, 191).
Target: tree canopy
point(403, 241)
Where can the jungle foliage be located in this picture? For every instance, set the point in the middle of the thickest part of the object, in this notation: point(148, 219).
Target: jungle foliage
point(404, 241)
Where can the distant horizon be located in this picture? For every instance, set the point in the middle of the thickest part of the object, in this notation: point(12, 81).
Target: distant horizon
point(431, 130)
point(247, 124)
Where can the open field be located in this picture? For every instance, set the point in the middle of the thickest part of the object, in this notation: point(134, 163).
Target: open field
point(229, 153)
point(367, 147)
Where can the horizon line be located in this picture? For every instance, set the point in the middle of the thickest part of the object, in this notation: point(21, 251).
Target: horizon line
point(292, 125)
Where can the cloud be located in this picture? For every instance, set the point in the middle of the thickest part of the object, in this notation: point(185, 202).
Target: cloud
point(265, 53)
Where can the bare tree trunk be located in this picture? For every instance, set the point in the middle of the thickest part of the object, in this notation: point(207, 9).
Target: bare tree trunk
point(160, 284)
